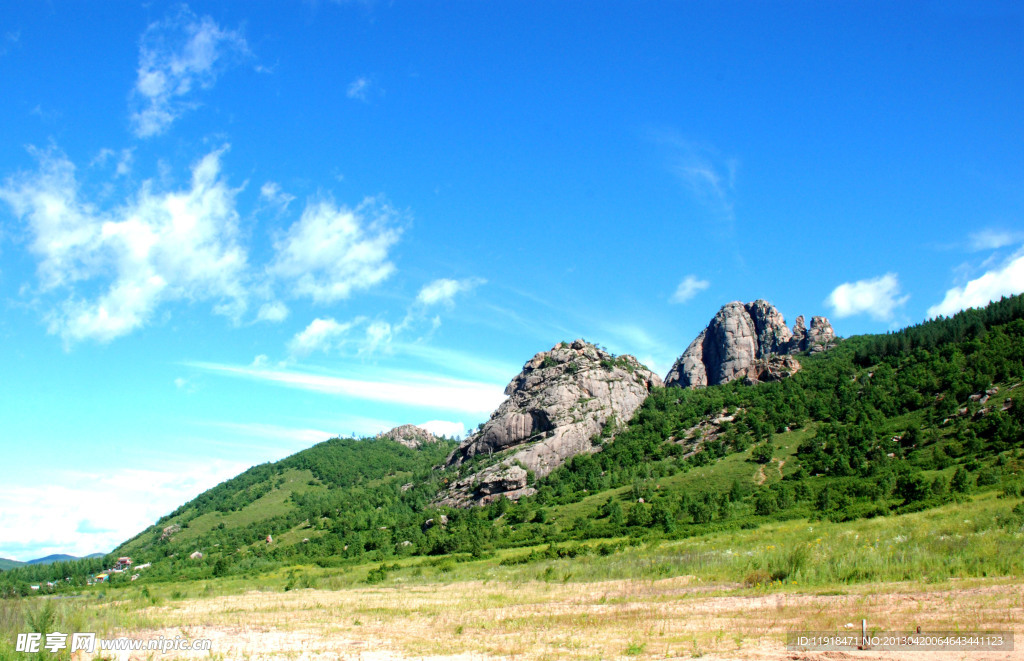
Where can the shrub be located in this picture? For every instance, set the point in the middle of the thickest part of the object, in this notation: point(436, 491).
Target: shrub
point(757, 577)
point(762, 453)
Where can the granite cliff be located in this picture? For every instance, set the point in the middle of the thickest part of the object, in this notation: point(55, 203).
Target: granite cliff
point(557, 406)
point(751, 342)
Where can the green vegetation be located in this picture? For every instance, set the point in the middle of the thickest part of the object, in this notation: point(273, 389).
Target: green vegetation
point(894, 436)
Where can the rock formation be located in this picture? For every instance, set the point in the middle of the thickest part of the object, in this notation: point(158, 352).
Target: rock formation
point(556, 407)
point(751, 342)
point(821, 337)
point(410, 436)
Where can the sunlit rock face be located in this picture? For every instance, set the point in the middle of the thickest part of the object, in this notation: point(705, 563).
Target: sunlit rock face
point(556, 406)
point(748, 341)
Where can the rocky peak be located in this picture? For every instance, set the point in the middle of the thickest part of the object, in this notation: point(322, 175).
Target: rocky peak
point(747, 341)
point(561, 400)
point(410, 436)
point(798, 337)
point(820, 337)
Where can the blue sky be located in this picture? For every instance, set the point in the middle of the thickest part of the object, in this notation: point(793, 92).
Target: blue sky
point(229, 232)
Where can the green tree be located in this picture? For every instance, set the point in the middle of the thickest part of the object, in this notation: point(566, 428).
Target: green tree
point(961, 482)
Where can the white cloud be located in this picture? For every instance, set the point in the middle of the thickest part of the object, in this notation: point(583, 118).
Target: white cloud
point(994, 238)
point(878, 297)
point(414, 389)
point(378, 334)
point(444, 290)
point(688, 288)
point(990, 239)
point(67, 516)
point(124, 160)
point(155, 248)
point(358, 88)
point(444, 428)
point(320, 335)
point(1007, 280)
point(274, 312)
point(332, 251)
point(176, 56)
point(272, 193)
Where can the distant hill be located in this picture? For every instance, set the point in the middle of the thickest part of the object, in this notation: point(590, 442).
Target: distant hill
point(59, 557)
point(56, 557)
point(6, 564)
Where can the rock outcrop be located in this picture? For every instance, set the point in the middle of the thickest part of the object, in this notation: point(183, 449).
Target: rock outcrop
point(750, 342)
point(410, 436)
point(556, 408)
point(820, 337)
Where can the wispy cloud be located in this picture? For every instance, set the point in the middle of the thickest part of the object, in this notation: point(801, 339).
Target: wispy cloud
point(444, 290)
point(708, 175)
point(124, 158)
point(409, 388)
point(993, 239)
point(155, 248)
point(688, 288)
point(1007, 280)
point(378, 334)
point(332, 251)
point(9, 41)
point(271, 193)
point(176, 56)
point(320, 335)
point(274, 312)
point(458, 362)
point(878, 297)
point(358, 89)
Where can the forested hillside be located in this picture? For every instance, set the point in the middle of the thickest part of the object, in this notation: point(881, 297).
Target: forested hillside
point(878, 426)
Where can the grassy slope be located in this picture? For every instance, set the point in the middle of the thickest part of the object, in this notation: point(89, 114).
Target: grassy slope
point(273, 503)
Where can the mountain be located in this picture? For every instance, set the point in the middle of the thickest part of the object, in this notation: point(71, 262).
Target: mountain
point(562, 404)
point(6, 564)
point(875, 425)
point(323, 494)
point(748, 342)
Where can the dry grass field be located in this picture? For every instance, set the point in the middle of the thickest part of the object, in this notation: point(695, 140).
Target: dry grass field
point(635, 619)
